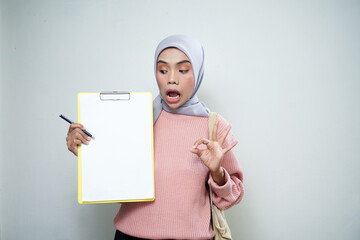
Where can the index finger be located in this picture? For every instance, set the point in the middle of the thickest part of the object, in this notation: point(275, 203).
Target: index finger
point(201, 141)
point(74, 126)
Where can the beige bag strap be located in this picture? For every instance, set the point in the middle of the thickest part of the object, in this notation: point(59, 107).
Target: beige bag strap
point(220, 225)
point(212, 120)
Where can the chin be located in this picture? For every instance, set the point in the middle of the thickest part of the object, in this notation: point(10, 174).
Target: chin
point(172, 106)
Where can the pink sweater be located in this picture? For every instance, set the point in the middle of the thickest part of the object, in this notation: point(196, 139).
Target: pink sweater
point(181, 209)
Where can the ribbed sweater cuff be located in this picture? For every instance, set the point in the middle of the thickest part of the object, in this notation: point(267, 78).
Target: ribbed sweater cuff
point(221, 191)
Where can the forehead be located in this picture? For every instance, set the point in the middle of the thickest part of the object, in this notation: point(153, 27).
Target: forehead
point(172, 55)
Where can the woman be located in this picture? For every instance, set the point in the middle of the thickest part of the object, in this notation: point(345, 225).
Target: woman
point(186, 162)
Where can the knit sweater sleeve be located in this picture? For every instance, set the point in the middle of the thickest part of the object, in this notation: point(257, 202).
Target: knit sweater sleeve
point(232, 191)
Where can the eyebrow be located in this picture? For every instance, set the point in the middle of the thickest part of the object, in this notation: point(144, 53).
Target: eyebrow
point(181, 62)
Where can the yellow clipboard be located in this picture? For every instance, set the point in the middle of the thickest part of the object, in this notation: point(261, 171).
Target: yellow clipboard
point(118, 164)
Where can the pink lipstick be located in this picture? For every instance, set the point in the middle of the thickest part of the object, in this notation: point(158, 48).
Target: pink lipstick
point(173, 96)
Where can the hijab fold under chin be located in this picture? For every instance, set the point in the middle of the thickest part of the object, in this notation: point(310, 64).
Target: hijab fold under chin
point(194, 51)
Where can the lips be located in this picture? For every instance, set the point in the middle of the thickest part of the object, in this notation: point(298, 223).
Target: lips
point(173, 96)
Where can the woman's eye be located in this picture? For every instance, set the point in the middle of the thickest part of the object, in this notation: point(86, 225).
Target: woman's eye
point(183, 71)
point(162, 71)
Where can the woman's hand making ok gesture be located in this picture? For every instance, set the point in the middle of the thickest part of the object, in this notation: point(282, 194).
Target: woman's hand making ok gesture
point(214, 153)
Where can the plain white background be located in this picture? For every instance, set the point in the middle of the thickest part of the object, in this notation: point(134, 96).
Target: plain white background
point(285, 74)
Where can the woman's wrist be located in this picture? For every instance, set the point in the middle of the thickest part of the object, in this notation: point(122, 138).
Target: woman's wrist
point(219, 176)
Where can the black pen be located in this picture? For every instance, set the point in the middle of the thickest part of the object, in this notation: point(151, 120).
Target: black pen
point(71, 122)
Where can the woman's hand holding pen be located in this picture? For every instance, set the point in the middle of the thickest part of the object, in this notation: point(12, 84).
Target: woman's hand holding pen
point(75, 137)
point(214, 153)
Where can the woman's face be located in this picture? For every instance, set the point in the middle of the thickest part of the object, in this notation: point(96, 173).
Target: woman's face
point(175, 77)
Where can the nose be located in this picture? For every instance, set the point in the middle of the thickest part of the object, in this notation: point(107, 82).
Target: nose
point(173, 78)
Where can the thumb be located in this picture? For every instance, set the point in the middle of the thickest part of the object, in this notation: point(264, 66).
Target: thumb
point(195, 151)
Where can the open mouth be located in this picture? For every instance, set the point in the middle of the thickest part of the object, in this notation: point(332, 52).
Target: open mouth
point(173, 95)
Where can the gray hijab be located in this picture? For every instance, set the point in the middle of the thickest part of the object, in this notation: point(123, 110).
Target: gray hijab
point(194, 51)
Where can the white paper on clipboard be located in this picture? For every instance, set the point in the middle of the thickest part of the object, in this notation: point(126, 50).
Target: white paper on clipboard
point(118, 165)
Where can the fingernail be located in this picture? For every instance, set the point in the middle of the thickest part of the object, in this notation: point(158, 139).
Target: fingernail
point(88, 138)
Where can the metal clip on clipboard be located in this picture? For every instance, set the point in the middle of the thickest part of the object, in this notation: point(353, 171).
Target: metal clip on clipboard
point(114, 96)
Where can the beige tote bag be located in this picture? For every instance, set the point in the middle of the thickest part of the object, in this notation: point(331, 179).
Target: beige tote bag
point(220, 225)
